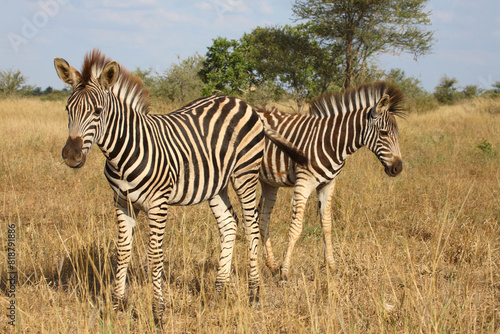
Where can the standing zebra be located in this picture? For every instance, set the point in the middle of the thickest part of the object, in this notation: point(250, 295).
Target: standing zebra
point(336, 126)
point(153, 161)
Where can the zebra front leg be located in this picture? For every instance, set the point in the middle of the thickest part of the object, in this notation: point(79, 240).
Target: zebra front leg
point(126, 224)
point(266, 205)
point(301, 193)
point(325, 194)
point(157, 221)
point(221, 208)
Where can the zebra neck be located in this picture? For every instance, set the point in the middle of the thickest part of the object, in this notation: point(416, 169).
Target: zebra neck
point(121, 139)
point(346, 132)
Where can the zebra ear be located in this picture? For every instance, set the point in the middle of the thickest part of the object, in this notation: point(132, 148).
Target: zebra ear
point(67, 73)
point(382, 106)
point(109, 75)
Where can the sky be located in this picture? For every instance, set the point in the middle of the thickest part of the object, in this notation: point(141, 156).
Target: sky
point(156, 34)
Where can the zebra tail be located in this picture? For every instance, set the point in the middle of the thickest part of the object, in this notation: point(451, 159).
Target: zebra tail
point(296, 154)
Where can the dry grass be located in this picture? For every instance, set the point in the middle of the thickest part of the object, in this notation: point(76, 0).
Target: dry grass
point(419, 253)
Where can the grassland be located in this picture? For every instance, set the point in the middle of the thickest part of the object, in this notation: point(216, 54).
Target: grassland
point(419, 253)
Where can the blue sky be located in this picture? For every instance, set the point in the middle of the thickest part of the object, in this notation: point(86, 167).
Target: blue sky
point(154, 33)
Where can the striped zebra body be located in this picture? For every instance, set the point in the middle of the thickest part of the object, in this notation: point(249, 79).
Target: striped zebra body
point(197, 160)
point(153, 161)
point(336, 126)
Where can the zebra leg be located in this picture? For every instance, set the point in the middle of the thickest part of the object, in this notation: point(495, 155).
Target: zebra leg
point(245, 185)
point(157, 220)
point(223, 213)
point(325, 194)
point(126, 224)
point(301, 193)
point(266, 205)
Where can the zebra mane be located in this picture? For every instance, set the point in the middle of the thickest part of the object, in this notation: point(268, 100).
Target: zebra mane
point(331, 104)
point(128, 86)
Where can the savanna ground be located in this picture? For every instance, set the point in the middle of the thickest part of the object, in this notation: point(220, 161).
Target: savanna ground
point(419, 253)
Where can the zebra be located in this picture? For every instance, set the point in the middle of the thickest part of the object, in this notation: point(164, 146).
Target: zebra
point(153, 161)
point(335, 127)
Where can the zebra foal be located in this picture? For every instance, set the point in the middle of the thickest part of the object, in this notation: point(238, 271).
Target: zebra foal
point(153, 161)
point(335, 127)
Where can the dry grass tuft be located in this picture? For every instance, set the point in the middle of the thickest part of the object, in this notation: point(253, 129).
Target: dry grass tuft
point(418, 253)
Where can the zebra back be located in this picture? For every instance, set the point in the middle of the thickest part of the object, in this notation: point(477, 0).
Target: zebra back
point(361, 97)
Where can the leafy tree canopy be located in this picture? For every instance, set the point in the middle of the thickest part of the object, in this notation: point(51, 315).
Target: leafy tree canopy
point(292, 59)
point(11, 81)
point(359, 30)
point(226, 68)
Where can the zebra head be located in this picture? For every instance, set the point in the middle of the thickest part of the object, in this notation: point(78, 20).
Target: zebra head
point(382, 136)
point(87, 108)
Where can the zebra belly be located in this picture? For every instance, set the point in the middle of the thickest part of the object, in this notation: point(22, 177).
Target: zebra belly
point(189, 194)
point(178, 194)
point(278, 177)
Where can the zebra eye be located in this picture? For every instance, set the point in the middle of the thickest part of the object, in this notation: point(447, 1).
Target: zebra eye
point(97, 110)
point(384, 133)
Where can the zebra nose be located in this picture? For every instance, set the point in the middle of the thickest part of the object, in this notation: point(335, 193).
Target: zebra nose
point(396, 167)
point(72, 152)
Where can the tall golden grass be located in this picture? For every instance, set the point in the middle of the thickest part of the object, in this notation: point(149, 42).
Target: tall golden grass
point(419, 253)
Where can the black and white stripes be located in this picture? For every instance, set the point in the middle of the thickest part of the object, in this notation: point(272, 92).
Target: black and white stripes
point(153, 161)
point(335, 127)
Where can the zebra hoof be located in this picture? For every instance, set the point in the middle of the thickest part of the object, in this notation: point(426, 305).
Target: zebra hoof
point(284, 275)
point(222, 292)
point(254, 299)
point(274, 269)
point(120, 304)
point(158, 324)
point(158, 309)
point(282, 283)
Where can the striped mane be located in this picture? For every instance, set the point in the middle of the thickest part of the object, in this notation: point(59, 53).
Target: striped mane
point(128, 86)
point(367, 95)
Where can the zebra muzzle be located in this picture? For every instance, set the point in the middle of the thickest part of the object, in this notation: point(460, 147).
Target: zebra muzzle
point(72, 152)
point(395, 168)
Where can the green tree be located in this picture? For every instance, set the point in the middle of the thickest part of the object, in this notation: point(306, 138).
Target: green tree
point(471, 91)
point(446, 91)
point(290, 58)
point(11, 81)
point(226, 68)
point(149, 78)
point(417, 99)
point(364, 29)
point(496, 88)
point(180, 81)
point(410, 86)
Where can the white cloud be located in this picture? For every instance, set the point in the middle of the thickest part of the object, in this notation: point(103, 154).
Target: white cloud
point(148, 20)
point(466, 57)
point(223, 6)
point(203, 5)
point(265, 7)
point(129, 3)
point(442, 16)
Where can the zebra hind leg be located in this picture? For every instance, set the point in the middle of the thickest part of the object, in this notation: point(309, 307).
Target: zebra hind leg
point(266, 205)
point(223, 213)
point(325, 195)
point(301, 193)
